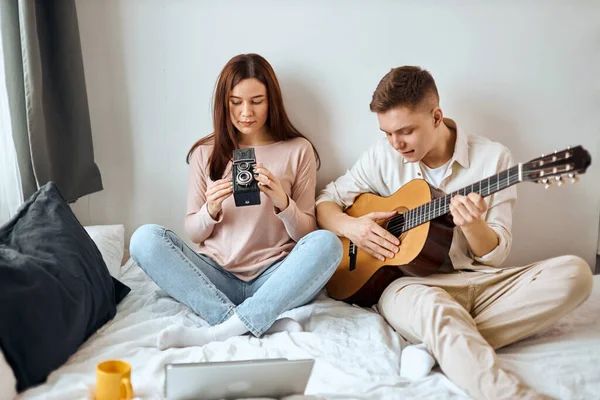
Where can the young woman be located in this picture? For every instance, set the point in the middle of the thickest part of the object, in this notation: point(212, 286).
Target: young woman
point(252, 262)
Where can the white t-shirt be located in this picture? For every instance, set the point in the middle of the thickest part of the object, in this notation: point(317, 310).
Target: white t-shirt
point(434, 176)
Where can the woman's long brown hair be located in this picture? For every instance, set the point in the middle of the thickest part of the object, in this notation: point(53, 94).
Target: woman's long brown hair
point(224, 137)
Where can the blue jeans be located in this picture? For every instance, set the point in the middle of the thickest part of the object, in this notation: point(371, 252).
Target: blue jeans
point(215, 294)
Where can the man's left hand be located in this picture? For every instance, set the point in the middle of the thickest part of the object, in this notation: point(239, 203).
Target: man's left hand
point(467, 210)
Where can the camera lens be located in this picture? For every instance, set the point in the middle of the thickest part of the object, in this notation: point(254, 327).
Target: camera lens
point(244, 166)
point(243, 178)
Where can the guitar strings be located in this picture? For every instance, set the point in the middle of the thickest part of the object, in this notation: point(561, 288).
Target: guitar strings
point(428, 214)
point(511, 173)
point(421, 215)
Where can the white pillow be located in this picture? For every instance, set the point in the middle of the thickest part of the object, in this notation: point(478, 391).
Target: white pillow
point(8, 382)
point(110, 240)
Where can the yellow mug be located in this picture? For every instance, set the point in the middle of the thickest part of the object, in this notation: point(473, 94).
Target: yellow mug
point(113, 380)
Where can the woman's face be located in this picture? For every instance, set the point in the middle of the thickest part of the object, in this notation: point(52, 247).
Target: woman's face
point(249, 107)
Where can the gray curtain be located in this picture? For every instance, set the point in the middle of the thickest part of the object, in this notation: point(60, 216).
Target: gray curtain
point(47, 96)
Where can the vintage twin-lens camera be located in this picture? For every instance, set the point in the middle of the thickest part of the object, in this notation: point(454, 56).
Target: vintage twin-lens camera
point(245, 187)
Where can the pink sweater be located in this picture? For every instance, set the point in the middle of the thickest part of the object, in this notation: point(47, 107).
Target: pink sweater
point(246, 240)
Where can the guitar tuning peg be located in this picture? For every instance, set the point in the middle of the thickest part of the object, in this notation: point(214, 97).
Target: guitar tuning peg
point(547, 183)
point(574, 178)
point(558, 180)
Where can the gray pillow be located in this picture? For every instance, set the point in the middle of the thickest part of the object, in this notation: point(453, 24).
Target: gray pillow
point(55, 289)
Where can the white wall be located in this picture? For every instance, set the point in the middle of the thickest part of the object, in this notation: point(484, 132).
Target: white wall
point(522, 74)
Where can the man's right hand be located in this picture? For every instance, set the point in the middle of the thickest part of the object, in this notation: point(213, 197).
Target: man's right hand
point(365, 233)
point(216, 193)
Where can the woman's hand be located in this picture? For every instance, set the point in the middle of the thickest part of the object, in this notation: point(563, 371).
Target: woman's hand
point(271, 186)
point(216, 193)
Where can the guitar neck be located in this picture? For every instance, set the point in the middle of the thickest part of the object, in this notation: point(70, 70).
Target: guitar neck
point(441, 206)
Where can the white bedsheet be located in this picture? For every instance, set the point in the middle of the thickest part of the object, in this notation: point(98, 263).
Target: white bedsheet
point(356, 352)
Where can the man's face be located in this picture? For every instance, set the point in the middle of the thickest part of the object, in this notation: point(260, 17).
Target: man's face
point(410, 132)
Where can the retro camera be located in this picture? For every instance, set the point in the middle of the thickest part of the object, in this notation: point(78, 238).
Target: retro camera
point(245, 187)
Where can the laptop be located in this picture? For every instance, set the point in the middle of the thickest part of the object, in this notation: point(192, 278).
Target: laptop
point(273, 378)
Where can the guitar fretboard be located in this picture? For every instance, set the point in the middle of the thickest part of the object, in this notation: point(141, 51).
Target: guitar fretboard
point(441, 206)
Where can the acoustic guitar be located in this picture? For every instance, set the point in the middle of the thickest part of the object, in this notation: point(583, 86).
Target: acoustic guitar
point(424, 225)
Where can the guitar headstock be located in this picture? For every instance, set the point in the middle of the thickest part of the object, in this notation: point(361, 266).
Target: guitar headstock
point(557, 166)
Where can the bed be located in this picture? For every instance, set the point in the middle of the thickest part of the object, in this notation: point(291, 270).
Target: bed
point(356, 352)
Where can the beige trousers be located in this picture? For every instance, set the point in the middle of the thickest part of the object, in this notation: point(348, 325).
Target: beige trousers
point(463, 316)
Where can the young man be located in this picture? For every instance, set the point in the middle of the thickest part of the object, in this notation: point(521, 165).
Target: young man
point(473, 305)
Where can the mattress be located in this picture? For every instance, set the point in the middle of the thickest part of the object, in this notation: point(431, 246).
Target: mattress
point(356, 352)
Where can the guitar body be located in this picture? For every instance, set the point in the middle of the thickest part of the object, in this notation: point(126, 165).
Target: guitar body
point(423, 249)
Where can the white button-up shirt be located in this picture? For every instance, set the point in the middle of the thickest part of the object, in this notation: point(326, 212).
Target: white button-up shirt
point(382, 170)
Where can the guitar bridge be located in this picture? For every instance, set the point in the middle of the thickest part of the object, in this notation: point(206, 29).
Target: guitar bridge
point(352, 254)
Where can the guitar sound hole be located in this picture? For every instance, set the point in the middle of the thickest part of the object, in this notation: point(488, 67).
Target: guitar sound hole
point(398, 224)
